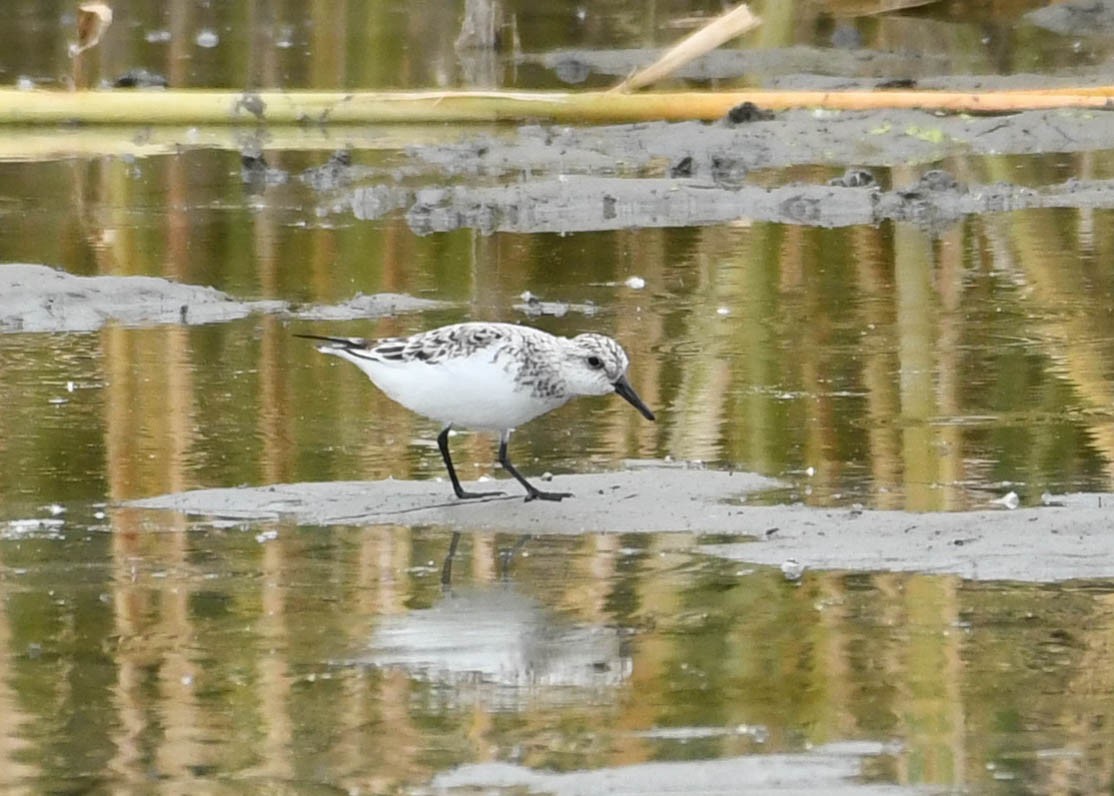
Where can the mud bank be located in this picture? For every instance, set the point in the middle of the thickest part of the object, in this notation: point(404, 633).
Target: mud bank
point(623, 501)
point(883, 138)
point(37, 298)
point(589, 203)
point(1068, 540)
point(562, 179)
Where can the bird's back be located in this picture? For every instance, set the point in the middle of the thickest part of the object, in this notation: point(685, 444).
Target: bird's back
point(488, 376)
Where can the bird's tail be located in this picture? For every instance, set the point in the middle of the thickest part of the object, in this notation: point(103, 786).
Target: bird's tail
point(337, 342)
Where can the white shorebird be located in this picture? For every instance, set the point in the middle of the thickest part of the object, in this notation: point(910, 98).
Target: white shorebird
point(488, 377)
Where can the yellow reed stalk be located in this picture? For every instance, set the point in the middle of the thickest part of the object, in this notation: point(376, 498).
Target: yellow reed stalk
point(213, 107)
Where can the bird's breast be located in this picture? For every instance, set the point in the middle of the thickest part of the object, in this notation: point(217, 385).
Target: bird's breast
point(481, 391)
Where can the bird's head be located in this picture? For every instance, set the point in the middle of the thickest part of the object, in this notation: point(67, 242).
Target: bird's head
point(597, 365)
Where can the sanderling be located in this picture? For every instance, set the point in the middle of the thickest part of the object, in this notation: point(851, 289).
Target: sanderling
point(488, 377)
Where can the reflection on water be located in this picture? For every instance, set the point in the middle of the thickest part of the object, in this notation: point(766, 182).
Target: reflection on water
point(414, 43)
point(502, 639)
point(144, 649)
point(875, 365)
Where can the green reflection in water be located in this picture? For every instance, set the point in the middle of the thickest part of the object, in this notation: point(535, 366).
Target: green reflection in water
point(898, 371)
point(332, 656)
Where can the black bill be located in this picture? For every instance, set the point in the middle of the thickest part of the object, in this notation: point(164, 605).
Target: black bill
point(623, 388)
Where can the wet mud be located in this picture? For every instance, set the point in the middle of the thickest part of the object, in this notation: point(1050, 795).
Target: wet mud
point(38, 298)
point(588, 203)
point(1066, 539)
point(551, 179)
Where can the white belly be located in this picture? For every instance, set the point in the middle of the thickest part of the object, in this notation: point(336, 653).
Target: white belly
point(471, 392)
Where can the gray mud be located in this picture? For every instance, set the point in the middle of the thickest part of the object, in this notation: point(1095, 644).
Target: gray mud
point(582, 203)
point(881, 138)
point(377, 305)
point(1067, 541)
point(37, 298)
point(623, 501)
point(557, 179)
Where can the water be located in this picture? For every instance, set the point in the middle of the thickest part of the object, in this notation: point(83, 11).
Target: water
point(142, 650)
point(889, 365)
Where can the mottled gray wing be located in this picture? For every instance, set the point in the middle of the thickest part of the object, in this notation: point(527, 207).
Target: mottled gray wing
point(440, 344)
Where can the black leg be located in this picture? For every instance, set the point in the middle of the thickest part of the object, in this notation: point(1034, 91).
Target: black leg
point(447, 567)
point(443, 444)
point(532, 492)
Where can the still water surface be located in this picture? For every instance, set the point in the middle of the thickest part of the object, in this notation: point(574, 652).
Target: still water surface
point(890, 366)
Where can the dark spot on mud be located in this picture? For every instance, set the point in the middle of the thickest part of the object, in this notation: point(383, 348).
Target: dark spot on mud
point(609, 207)
point(252, 162)
point(746, 112)
point(897, 83)
point(682, 168)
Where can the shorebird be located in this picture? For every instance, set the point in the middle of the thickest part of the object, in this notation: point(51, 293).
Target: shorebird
point(488, 377)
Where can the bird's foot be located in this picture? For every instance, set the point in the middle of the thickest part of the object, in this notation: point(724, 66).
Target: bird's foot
point(537, 494)
point(460, 493)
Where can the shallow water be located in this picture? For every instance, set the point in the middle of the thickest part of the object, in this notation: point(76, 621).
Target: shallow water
point(896, 366)
point(879, 366)
point(142, 650)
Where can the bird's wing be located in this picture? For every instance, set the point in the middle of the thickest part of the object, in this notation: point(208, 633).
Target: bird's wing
point(449, 342)
point(437, 345)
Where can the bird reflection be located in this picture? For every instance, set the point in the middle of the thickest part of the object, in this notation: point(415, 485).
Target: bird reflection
point(499, 638)
point(505, 558)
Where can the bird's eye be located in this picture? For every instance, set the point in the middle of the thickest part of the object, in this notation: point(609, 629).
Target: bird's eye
point(595, 362)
